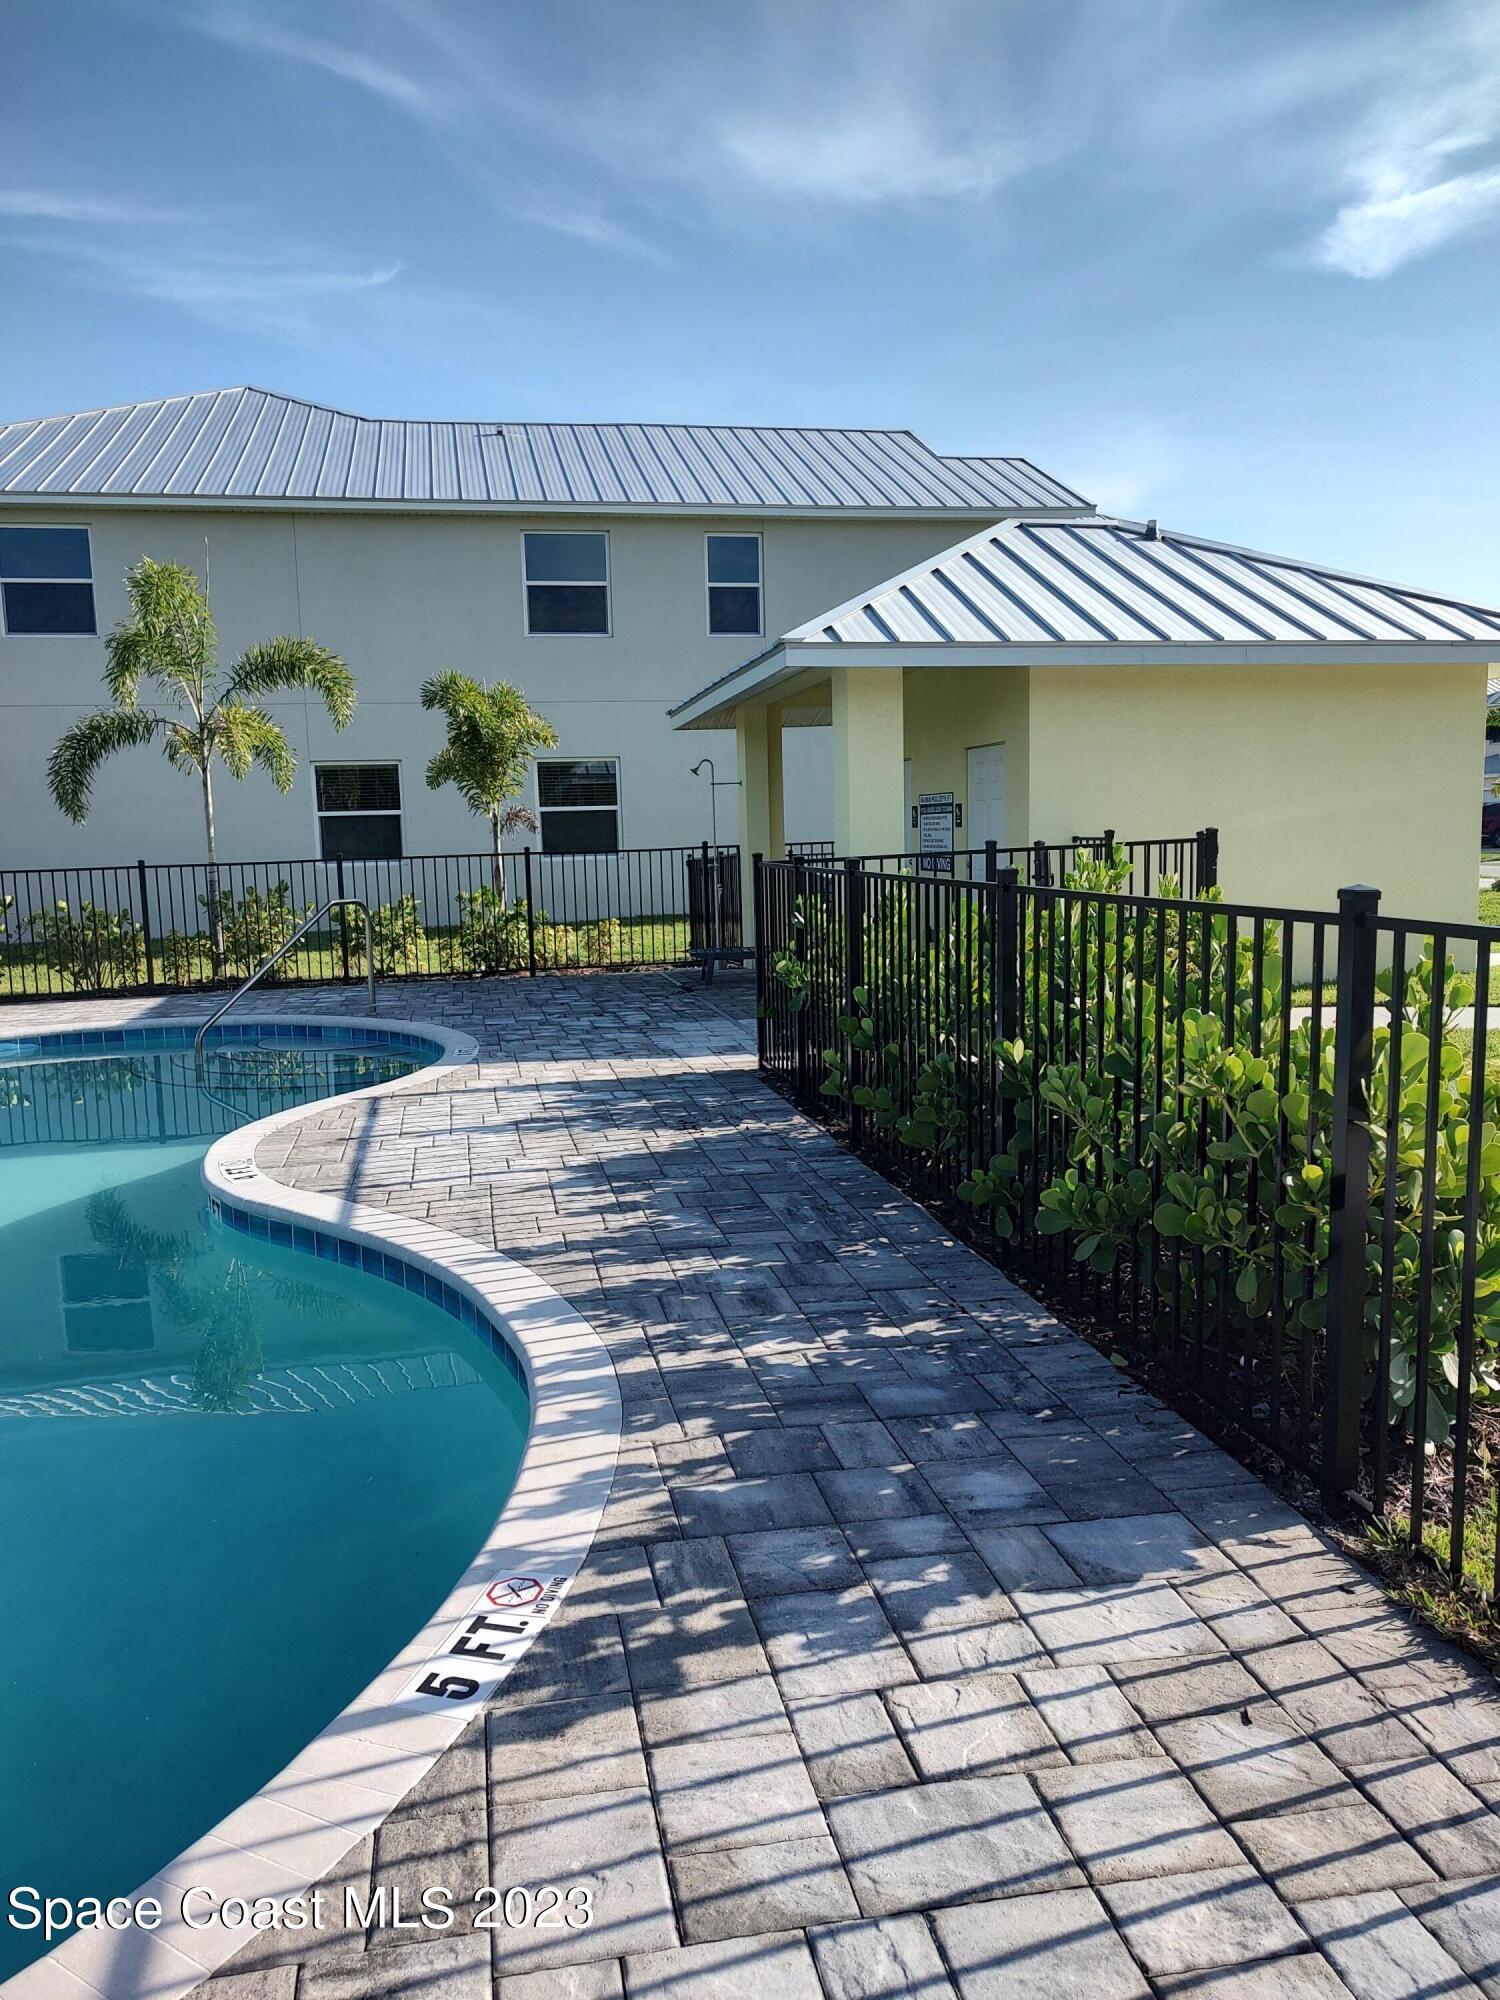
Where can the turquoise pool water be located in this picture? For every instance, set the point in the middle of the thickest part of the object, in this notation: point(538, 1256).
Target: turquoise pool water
point(234, 1477)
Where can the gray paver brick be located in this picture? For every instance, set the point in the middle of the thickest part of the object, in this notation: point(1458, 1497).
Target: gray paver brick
point(1304, 1977)
point(831, 1642)
point(1465, 1919)
point(739, 1506)
point(992, 1491)
point(952, 1841)
point(1061, 1943)
point(458, 1967)
point(1149, 1548)
point(951, 1614)
point(771, 1886)
point(734, 1791)
point(849, 1744)
point(1381, 1951)
point(781, 1966)
point(1255, 1759)
point(1190, 1923)
point(564, 1748)
point(1135, 1819)
point(1101, 1624)
point(1087, 1714)
point(972, 1727)
point(1336, 1852)
point(600, 1980)
point(607, 1843)
point(879, 1958)
point(1446, 1823)
point(787, 1559)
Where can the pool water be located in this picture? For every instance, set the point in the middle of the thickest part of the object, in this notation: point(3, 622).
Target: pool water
point(234, 1478)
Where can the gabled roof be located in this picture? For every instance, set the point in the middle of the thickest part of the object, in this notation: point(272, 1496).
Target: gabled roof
point(250, 446)
point(1092, 588)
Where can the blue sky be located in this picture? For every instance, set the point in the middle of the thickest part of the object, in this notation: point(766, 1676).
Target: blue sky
point(1229, 262)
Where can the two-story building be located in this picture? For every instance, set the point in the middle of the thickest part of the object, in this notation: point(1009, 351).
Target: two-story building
point(606, 569)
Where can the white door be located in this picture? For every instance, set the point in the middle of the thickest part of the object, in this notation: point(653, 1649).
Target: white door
point(985, 816)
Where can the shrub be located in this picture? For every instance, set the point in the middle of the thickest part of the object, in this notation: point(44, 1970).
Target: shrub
point(602, 943)
point(183, 958)
point(491, 932)
point(1189, 1127)
point(399, 938)
point(94, 949)
point(255, 924)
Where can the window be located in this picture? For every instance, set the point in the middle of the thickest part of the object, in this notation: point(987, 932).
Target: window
point(106, 1302)
point(580, 806)
point(359, 811)
point(734, 584)
point(46, 580)
point(567, 583)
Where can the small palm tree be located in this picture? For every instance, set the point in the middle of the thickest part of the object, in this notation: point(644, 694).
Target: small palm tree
point(492, 735)
point(169, 640)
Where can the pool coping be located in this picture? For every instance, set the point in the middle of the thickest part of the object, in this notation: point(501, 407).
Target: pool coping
point(341, 1785)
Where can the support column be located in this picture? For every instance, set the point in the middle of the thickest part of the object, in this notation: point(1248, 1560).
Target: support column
point(869, 748)
point(776, 850)
point(755, 731)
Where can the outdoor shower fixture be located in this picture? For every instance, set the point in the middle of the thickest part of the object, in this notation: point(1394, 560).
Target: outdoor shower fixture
point(714, 784)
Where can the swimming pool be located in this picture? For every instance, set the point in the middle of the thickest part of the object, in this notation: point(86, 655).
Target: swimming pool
point(242, 1458)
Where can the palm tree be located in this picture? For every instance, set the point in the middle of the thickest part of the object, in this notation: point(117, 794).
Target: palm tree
point(169, 640)
point(492, 734)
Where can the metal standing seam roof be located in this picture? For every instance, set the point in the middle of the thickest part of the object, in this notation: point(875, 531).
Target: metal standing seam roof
point(1075, 588)
point(1095, 580)
point(251, 445)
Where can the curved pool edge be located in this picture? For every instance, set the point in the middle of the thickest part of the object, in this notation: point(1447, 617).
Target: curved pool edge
point(341, 1785)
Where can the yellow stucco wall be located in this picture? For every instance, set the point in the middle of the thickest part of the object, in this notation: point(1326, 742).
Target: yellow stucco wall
point(950, 710)
point(1315, 775)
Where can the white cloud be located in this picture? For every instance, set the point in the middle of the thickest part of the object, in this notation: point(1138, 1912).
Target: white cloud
point(1421, 165)
point(51, 205)
point(1373, 237)
point(250, 29)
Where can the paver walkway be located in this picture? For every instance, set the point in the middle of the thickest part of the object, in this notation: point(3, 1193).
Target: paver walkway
point(920, 1652)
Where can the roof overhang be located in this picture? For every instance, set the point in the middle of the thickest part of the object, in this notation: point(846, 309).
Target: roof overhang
point(797, 663)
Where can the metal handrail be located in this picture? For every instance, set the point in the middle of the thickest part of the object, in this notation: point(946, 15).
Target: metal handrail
point(335, 903)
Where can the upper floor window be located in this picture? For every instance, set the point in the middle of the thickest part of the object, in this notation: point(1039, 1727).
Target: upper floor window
point(580, 805)
point(567, 583)
point(734, 584)
point(46, 580)
point(359, 811)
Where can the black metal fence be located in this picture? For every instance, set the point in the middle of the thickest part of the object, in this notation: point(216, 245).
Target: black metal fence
point(1256, 1149)
point(1181, 865)
point(152, 927)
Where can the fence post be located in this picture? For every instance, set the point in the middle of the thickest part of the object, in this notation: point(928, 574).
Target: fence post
point(1208, 859)
point(1007, 982)
point(140, 876)
point(1349, 1186)
point(802, 947)
point(530, 919)
point(343, 923)
point(1041, 870)
point(991, 860)
point(710, 896)
point(758, 908)
point(854, 977)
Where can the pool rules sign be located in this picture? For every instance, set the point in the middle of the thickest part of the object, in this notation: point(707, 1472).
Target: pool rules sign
point(936, 819)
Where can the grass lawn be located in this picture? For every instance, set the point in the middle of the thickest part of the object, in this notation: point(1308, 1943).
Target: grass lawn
point(644, 941)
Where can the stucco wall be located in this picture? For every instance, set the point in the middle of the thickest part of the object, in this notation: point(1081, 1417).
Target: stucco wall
point(950, 710)
point(402, 595)
point(1316, 776)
